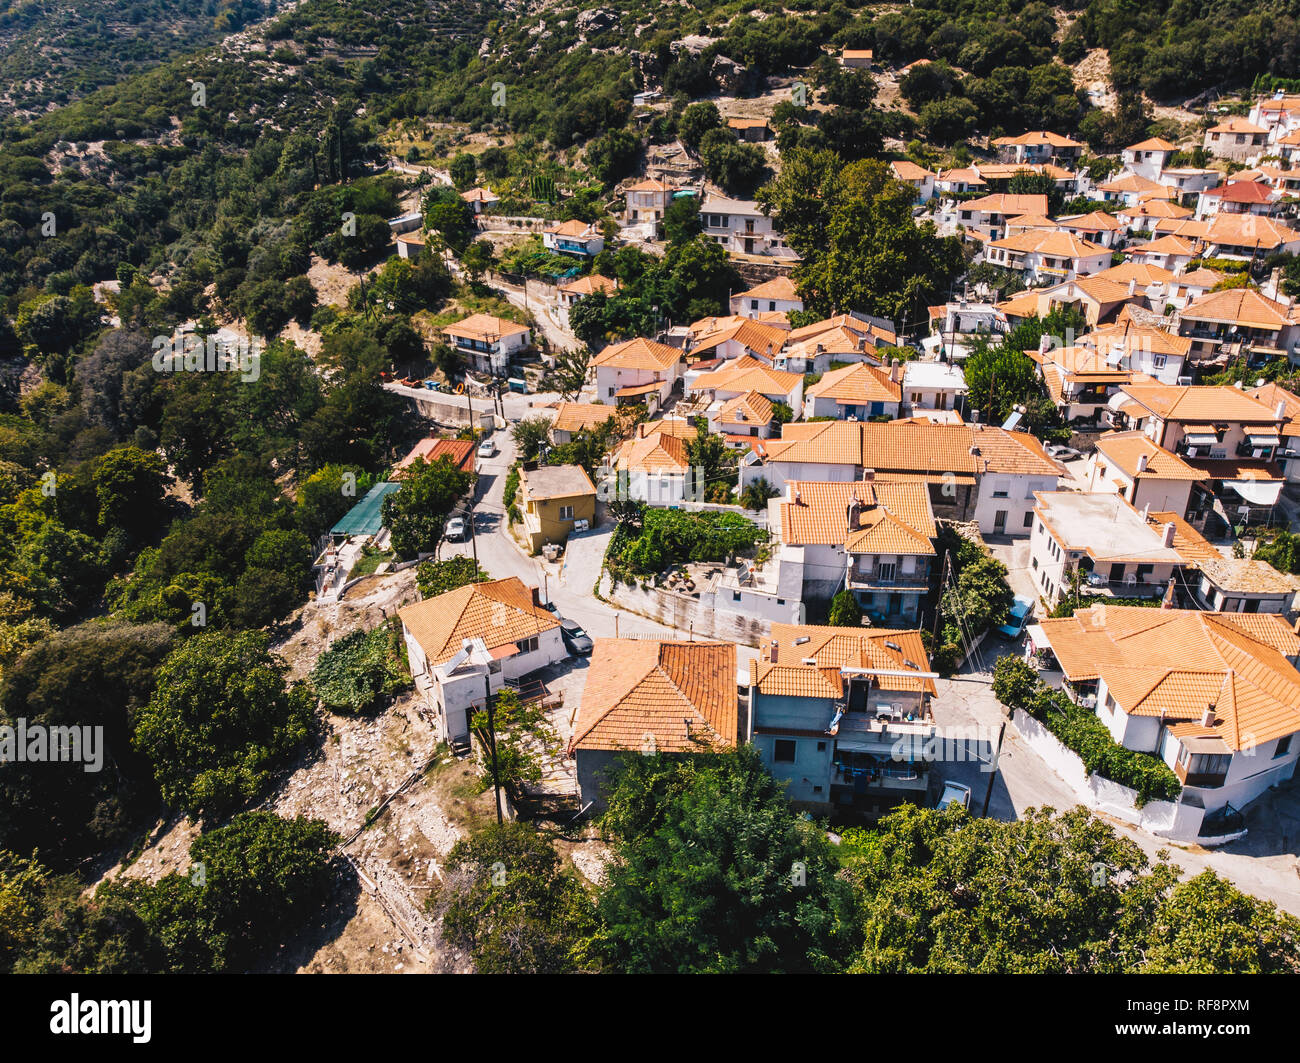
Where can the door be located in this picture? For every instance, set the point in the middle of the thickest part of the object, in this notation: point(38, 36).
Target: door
point(749, 246)
point(1000, 521)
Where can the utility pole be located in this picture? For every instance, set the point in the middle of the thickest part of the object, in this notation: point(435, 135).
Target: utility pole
point(993, 768)
point(943, 579)
point(492, 742)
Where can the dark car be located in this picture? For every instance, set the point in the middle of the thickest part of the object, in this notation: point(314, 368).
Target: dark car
point(577, 640)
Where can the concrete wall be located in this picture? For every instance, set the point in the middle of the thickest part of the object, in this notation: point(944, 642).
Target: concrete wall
point(681, 611)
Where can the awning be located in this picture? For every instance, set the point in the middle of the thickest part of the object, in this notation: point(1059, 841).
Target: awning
point(1199, 439)
point(1257, 492)
point(1268, 439)
point(1204, 744)
point(637, 389)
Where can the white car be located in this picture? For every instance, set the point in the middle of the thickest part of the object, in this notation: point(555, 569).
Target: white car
point(455, 530)
point(954, 793)
point(487, 449)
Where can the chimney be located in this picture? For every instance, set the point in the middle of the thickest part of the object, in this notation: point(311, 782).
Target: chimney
point(1280, 411)
point(1207, 718)
point(868, 474)
point(1169, 534)
point(791, 491)
point(772, 652)
point(854, 513)
point(537, 598)
point(895, 371)
point(862, 343)
point(1142, 463)
point(1132, 287)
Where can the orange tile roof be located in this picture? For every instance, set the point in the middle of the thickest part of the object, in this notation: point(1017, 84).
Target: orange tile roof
point(1249, 230)
point(1156, 208)
point(484, 327)
point(845, 321)
point(820, 517)
point(1096, 221)
point(857, 384)
point(659, 452)
point(1151, 144)
point(1236, 124)
point(750, 408)
point(1173, 663)
point(499, 612)
point(459, 451)
point(577, 416)
point(1054, 242)
point(883, 533)
point(1194, 546)
point(1144, 273)
point(906, 170)
point(755, 377)
point(638, 353)
point(1037, 137)
point(1198, 404)
point(1123, 449)
point(669, 697)
point(763, 339)
point(1133, 337)
point(650, 186)
point(1165, 245)
point(1132, 183)
point(1239, 306)
point(776, 288)
point(834, 648)
point(571, 228)
point(1270, 395)
point(1008, 204)
point(590, 284)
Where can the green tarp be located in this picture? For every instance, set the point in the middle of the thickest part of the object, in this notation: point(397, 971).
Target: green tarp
point(366, 517)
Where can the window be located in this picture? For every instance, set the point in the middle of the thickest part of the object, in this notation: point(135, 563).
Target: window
point(528, 645)
point(783, 751)
point(753, 304)
point(1283, 746)
point(735, 596)
point(821, 746)
point(817, 789)
point(771, 305)
point(1158, 361)
point(1034, 561)
point(566, 513)
point(611, 393)
point(1029, 520)
point(885, 572)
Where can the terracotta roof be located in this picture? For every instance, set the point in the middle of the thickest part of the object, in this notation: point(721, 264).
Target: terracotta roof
point(571, 228)
point(650, 186)
point(589, 284)
point(459, 451)
point(577, 416)
point(1239, 191)
point(857, 384)
point(1189, 228)
point(906, 170)
point(845, 647)
point(1037, 137)
point(1164, 245)
point(1008, 204)
point(1270, 395)
point(1144, 273)
point(1173, 663)
point(1132, 183)
point(1239, 306)
point(1191, 544)
point(964, 174)
point(499, 612)
point(638, 353)
point(639, 694)
point(883, 533)
point(555, 481)
point(1151, 144)
point(484, 327)
point(659, 452)
point(1236, 124)
point(1096, 221)
point(763, 339)
point(777, 288)
point(669, 426)
point(1123, 449)
point(1063, 244)
point(749, 377)
point(843, 321)
point(1199, 278)
point(1156, 208)
point(750, 408)
point(480, 195)
point(820, 517)
point(1134, 337)
point(1248, 230)
point(1200, 403)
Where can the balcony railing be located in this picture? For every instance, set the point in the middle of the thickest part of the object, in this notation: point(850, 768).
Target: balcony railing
point(897, 581)
point(1206, 780)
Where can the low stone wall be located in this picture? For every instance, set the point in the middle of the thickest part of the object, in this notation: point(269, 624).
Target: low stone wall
point(1177, 822)
point(685, 613)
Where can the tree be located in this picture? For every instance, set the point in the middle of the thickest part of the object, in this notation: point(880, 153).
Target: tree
point(220, 721)
point(463, 170)
point(756, 493)
point(1014, 682)
point(696, 120)
point(530, 435)
point(998, 379)
point(682, 220)
point(845, 611)
point(477, 259)
point(506, 900)
point(613, 156)
point(452, 218)
point(438, 577)
point(131, 486)
point(713, 871)
point(416, 513)
point(569, 374)
point(524, 740)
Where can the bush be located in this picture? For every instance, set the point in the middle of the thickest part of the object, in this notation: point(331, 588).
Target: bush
point(361, 671)
point(438, 577)
point(671, 536)
point(845, 611)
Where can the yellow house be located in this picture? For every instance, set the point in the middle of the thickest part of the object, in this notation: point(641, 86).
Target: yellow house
point(552, 500)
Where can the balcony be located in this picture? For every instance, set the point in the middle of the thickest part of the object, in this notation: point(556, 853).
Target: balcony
point(888, 579)
point(1206, 780)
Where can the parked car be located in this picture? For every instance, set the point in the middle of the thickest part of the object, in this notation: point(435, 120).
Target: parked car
point(455, 530)
point(1062, 453)
point(954, 793)
point(487, 448)
point(577, 640)
point(1021, 609)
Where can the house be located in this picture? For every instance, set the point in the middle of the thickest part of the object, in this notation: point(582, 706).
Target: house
point(1215, 695)
point(741, 337)
point(777, 296)
point(553, 499)
point(1286, 405)
point(931, 386)
point(988, 215)
point(646, 202)
point(972, 471)
point(952, 324)
point(1145, 281)
point(1239, 197)
point(1143, 473)
point(1172, 253)
point(1080, 380)
point(856, 392)
point(1129, 189)
point(410, 245)
point(1038, 146)
point(1279, 114)
point(638, 370)
point(1141, 218)
point(1141, 349)
point(460, 452)
point(1242, 319)
point(961, 181)
point(743, 418)
point(1221, 431)
point(655, 469)
point(1187, 181)
point(1097, 298)
point(872, 537)
point(741, 227)
point(574, 238)
point(488, 342)
point(747, 374)
point(752, 130)
point(1048, 256)
point(407, 223)
point(574, 417)
point(1236, 138)
point(1148, 158)
point(575, 290)
point(1249, 237)
point(849, 337)
point(856, 58)
point(1192, 284)
point(480, 199)
point(1113, 548)
point(1244, 585)
point(473, 639)
point(842, 715)
point(1288, 147)
point(1096, 227)
point(921, 179)
point(645, 696)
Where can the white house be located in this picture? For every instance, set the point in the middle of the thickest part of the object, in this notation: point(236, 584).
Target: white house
point(777, 296)
point(931, 386)
point(488, 342)
point(574, 238)
point(646, 202)
point(636, 371)
point(741, 227)
point(921, 179)
point(1148, 158)
point(1048, 256)
point(475, 638)
point(856, 392)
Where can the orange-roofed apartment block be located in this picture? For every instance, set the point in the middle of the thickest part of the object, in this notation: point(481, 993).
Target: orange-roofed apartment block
point(1216, 696)
point(842, 716)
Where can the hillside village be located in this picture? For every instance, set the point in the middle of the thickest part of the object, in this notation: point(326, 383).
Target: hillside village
point(956, 478)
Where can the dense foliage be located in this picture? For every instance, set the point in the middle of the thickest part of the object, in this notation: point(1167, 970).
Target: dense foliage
point(362, 671)
point(670, 536)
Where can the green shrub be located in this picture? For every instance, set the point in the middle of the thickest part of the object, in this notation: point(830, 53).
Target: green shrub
point(438, 577)
point(361, 671)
